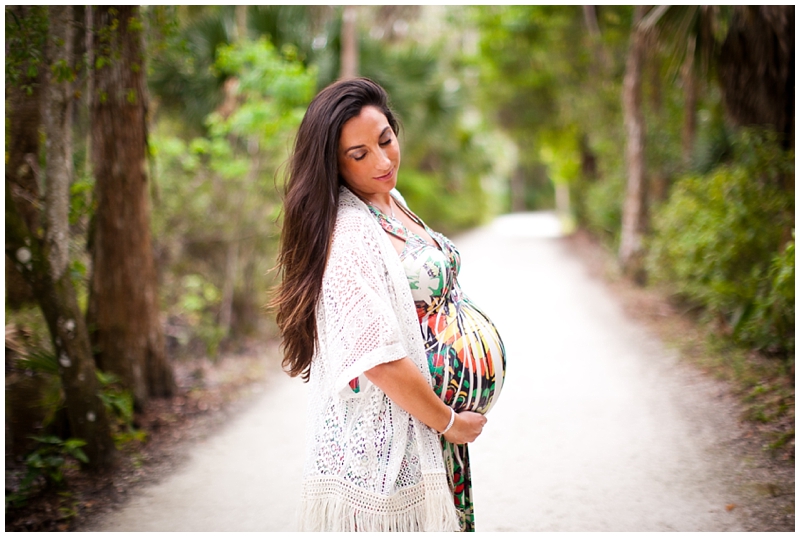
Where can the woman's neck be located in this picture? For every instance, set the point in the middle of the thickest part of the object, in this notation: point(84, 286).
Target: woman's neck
point(380, 200)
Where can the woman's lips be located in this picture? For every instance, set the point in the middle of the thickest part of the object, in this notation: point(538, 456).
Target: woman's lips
point(385, 177)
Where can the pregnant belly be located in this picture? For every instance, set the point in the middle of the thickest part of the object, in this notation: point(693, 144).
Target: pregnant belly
point(466, 356)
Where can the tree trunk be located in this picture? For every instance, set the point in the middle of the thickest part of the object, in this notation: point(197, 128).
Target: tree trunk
point(602, 60)
point(241, 22)
point(517, 188)
point(87, 415)
point(245, 308)
point(33, 255)
point(349, 57)
point(23, 114)
point(129, 339)
point(590, 18)
point(58, 136)
point(654, 67)
point(689, 104)
point(229, 286)
point(634, 214)
point(89, 83)
point(24, 117)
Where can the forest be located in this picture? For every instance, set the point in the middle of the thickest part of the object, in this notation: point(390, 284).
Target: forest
point(145, 159)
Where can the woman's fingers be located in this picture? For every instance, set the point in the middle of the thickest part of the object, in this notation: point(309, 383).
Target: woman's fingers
point(466, 428)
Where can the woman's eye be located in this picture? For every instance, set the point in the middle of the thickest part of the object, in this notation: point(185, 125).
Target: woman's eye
point(387, 142)
point(360, 157)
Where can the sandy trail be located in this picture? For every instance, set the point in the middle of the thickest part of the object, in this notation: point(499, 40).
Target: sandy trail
point(598, 428)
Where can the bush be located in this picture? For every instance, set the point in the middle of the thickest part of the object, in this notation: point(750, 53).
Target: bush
point(720, 241)
point(445, 211)
point(770, 324)
point(45, 467)
point(602, 208)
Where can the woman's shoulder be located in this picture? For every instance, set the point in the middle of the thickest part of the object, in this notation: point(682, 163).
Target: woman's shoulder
point(355, 226)
point(351, 210)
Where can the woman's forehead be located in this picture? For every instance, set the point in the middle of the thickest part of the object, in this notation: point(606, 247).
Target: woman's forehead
point(369, 123)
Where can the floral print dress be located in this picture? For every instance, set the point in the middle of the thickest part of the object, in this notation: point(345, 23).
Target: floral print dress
point(465, 353)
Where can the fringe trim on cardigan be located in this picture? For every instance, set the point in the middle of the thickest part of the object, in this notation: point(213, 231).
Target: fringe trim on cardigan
point(332, 504)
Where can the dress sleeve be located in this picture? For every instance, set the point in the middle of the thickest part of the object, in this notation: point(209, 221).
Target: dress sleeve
point(360, 325)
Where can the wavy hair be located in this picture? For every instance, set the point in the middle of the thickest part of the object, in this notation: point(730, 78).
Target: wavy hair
point(310, 204)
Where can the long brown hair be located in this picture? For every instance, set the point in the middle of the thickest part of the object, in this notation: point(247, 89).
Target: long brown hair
point(310, 203)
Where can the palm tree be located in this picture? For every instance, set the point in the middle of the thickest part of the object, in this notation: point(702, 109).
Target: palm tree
point(749, 49)
point(756, 68)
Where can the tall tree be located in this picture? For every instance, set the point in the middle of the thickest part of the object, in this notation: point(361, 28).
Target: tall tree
point(349, 60)
point(750, 48)
point(123, 304)
point(634, 213)
point(756, 68)
point(241, 22)
point(689, 79)
point(58, 129)
point(41, 256)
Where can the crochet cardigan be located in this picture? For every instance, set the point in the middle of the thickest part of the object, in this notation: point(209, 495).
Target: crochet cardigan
point(370, 465)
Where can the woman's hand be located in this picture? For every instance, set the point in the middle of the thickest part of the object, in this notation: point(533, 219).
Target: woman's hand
point(405, 385)
point(466, 428)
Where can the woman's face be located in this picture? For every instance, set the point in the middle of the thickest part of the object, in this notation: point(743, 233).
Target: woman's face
point(369, 155)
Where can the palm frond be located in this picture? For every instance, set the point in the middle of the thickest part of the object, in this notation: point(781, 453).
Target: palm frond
point(684, 30)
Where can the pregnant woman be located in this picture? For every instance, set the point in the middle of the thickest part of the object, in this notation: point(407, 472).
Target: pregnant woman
point(464, 350)
point(402, 365)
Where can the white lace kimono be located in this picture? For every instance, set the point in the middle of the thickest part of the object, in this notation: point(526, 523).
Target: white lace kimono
point(370, 466)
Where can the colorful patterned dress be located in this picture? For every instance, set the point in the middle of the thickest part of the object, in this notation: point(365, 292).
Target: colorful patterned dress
point(465, 352)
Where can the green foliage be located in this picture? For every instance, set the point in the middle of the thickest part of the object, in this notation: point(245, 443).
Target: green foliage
point(119, 404)
point(560, 152)
point(25, 45)
point(182, 73)
point(556, 88)
point(273, 89)
point(81, 204)
point(199, 303)
point(449, 150)
point(602, 208)
point(714, 143)
point(105, 52)
point(769, 325)
point(47, 464)
point(40, 361)
point(62, 71)
point(218, 194)
point(49, 459)
point(720, 240)
point(427, 196)
point(44, 363)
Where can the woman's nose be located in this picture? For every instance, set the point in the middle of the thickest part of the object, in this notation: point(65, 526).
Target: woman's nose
point(384, 162)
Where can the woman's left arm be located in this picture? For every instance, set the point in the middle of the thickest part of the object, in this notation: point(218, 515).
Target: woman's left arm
point(402, 382)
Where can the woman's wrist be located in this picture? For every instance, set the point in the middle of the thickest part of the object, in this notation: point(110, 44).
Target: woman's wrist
point(451, 422)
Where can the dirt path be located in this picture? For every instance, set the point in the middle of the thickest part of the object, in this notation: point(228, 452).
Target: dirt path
point(598, 427)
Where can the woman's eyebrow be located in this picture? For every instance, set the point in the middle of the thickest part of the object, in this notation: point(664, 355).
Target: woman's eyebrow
point(362, 145)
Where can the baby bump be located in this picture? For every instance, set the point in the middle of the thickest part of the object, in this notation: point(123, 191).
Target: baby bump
point(466, 356)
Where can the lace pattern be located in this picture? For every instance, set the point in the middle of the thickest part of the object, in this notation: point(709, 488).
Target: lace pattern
point(370, 465)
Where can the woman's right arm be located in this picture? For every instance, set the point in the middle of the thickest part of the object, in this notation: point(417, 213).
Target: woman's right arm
point(405, 385)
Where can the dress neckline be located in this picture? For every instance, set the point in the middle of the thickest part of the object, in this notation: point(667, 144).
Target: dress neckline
point(394, 226)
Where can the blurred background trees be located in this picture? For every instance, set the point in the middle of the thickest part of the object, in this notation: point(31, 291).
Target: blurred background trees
point(503, 108)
